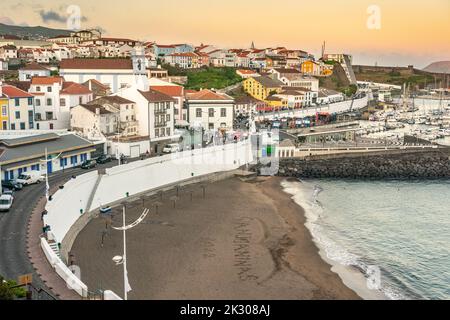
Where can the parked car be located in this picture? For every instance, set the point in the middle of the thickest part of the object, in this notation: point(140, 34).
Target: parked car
point(89, 164)
point(104, 158)
point(31, 177)
point(7, 191)
point(105, 210)
point(6, 201)
point(170, 148)
point(11, 185)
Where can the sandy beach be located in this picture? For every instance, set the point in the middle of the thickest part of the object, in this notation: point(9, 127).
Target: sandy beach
point(243, 240)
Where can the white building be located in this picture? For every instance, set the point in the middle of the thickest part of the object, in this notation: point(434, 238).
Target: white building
point(245, 74)
point(33, 70)
point(93, 120)
point(114, 73)
point(211, 110)
point(53, 99)
point(298, 97)
point(124, 109)
point(175, 91)
point(243, 60)
point(3, 65)
point(222, 58)
point(185, 60)
point(294, 78)
point(154, 113)
point(326, 96)
point(8, 52)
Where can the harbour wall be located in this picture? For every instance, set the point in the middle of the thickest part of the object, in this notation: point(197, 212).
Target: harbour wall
point(399, 164)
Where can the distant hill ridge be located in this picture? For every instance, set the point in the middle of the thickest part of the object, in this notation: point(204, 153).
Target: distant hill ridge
point(31, 32)
point(438, 67)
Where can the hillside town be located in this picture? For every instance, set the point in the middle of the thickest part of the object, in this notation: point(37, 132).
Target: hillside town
point(116, 93)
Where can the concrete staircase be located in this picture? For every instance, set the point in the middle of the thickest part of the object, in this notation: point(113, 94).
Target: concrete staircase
point(347, 65)
point(54, 247)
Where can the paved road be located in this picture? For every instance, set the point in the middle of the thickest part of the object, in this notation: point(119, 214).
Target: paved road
point(13, 226)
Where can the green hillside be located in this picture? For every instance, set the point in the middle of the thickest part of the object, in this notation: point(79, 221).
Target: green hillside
point(31, 32)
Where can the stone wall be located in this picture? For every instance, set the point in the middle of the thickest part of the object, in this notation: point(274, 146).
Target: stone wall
point(407, 165)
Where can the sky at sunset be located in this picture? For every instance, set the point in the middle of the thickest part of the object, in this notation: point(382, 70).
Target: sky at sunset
point(411, 32)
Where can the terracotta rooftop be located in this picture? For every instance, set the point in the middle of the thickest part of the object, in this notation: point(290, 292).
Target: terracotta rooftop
point(13, 92)
point(206, 94)
point(156, 96)
point(115, 64)
point(173, 91)
point(46, 80)
point(244, 71)
point(73, 88)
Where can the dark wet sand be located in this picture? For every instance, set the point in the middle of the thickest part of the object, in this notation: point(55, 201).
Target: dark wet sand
point(242, 241)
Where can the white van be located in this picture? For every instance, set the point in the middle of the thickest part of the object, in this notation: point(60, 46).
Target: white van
point(6, 201)
point(31, 177)
point(170, 148)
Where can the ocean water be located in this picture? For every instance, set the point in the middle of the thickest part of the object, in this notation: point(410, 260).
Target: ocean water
point(396, 233)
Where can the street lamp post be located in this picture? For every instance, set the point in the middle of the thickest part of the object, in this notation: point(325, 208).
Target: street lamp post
point(123, 259)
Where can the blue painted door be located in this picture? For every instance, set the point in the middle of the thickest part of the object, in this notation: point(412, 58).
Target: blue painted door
point(49, 167)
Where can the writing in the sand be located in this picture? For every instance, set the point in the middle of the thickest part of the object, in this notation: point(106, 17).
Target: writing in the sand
point(208, 247)
point(241, 246)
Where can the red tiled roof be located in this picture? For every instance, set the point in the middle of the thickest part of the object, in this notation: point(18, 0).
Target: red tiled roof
point(96, 64)
point(206, 94)
point(13, 92)
point(184, 54)
point(164, 45)
point(244, 71)
point(173, 91)
point(156, 96)
point(46, 80)
point(73, 88)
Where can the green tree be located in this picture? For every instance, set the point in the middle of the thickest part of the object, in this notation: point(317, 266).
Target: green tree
point(6, 293)
point(9, 293)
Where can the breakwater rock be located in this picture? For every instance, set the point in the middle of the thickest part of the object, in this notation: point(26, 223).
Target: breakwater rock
point(408, 165)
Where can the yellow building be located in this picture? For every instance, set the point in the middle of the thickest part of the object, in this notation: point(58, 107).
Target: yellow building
point(277, 103)
point(308, 67)
point(3, 113)
point(314, 68)
point(262, 87)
